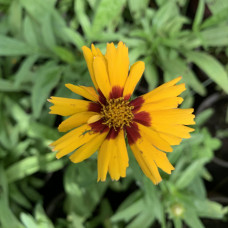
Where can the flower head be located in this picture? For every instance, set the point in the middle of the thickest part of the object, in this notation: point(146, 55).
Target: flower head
point(152, 123)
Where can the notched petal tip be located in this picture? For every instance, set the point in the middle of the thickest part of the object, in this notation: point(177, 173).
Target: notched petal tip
point(158, 182)
point(54, 150)
point(191, 129)
point(61, 129)
point(141, 63)
point(84, 48)
point(115, 179)
point(58, 156)
point(101, 180)
point(74, 160)
point(51, 146)
point(68, 85)
point(171, 169)
point(51, 99)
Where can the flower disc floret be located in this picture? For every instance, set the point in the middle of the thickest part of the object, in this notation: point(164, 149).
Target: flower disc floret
point(117, 113)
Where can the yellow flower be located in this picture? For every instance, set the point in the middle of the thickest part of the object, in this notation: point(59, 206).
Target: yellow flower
point(152, 123)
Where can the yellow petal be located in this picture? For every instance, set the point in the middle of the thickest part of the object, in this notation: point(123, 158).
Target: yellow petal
point(80, 141)
point(157, 95)
point(118, 63)
point(122, 153)
point(168, 103)
point(161, 160)
point(63, 138)
point(67, 106)
point(104, 155)
point(170, 83)
point(75, 121)
point(88, 149)
point(113, 156)
point(173, 116)
point(94, 118)
point(101, 75)
point(113, 167)
point(119, 159)
point(176, 130)
point(147, 165)
point(87, 92)
point(97, 52)
point(136, 72)
point(89, 60)
point(154, 138)
point(171, 139)
point(74, 135)
point(150, 153)
point(94, 50)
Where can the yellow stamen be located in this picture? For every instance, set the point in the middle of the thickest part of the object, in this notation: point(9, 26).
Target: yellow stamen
point(117, 113)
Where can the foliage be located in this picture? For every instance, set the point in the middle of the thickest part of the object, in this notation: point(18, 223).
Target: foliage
point(40, 50)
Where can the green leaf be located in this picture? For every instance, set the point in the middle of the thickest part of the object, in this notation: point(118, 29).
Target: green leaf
point(8, 86)
point(202, 117)
point(210, 66)
point(10, 47)
point(192, 220)
point(128, 213)
point(24, 73)
point(177, 67)
point(165, 13)
point(18, 114)
point(28, 220)
point(47, 31)
point(79, 9)
point(38, 9)
point(152, 198)
point(151, 73)
point(217, 6)
point(64, 54)
point(136, 52)
point(41, 217)
point(144, 219)
point(137, 8)
point(216, 19)
point(209, 209)
point(72, 36)
point(76, 220)
point(7, 218)
point(193, 170)
point(198, 188)
point(18, 197)
point(29, 32)
point(106, 12)
point(136, 195)
point(199, 15)
point(28, 166)
point(29, 191)
point(15, 17)
point(46, 80)
point(216, 36)
point(174, 26)
point(40, 131)
point(83, 193)
point(177, 222)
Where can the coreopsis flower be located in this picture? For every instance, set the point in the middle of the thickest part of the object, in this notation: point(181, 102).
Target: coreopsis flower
point(151, 123)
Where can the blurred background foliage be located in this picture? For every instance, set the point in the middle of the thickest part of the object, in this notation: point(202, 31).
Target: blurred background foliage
point(40, 50)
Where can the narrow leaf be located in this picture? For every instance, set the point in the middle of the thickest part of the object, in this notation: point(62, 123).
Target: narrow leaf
point(210, 66)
